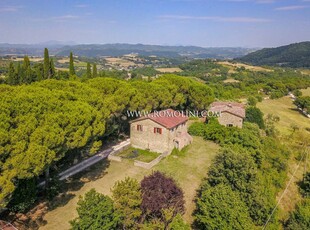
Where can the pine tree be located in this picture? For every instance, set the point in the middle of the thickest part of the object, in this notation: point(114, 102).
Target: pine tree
point(71, 67)
point(94, 70)
point(52, 69)
point(46, 64)
point(88, 71)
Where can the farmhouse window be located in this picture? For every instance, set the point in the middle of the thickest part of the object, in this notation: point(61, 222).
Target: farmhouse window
point(158, 130)
point(139, 128)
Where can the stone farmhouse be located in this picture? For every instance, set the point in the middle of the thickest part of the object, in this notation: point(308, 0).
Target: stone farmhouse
point(232, 113)
point(160, 131)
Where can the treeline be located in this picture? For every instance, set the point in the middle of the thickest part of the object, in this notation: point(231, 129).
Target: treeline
point(155, 203)
point(207, 70)
point(43, 122)
point(243, 181)
point(26, 73)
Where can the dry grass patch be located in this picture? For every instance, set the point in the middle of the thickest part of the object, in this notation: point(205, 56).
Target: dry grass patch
point(248, 67)
point(231, 80)
point(169, 70)
point(286, 110)
point(306, 92)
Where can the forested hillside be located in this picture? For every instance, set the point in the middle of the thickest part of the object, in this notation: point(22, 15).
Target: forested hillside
point(293, 55)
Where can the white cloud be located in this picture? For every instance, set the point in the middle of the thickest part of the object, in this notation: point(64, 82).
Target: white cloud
point(215, 18)
point(10, 8)
point(65, 17)
point(294, 7)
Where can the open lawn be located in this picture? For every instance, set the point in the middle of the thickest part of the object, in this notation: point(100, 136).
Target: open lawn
point(187, 168)
point(286, 110)
point(138, 154)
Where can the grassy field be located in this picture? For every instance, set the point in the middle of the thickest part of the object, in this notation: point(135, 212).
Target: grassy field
point(286, 110)
point(230, 80)
point(233, 66)
point(187, 169)
point(169, 70)
point(142, 155)
point(306, 92)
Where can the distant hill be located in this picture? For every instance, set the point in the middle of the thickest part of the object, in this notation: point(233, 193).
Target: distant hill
point(157, 50)
point(96, 50)
point(293, 55)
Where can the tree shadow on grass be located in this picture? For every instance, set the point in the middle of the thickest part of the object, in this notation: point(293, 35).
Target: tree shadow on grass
point(76, 182)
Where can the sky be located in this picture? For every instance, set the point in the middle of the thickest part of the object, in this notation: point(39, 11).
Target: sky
point(206, 23)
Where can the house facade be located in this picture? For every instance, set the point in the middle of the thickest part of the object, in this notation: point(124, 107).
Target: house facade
point(232, 114)
point(160, 132)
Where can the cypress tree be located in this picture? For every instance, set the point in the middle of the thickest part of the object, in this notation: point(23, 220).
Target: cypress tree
point(19, 73)
point(88, 71)
point(46, 64)
point(94, 70)
point(71, 67)
point(12, 75)
point(26, 63)
point(52, 68)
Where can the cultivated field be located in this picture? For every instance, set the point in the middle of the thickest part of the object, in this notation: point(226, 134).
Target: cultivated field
point(249, 67)
point(186, 168)
point(169, 70)
point(119, 62)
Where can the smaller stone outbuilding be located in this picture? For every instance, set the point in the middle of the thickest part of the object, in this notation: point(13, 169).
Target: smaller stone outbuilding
point(232, 114)
point(161, 131)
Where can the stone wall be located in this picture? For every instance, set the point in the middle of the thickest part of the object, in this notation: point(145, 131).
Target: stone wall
point(228, 118)
point(147, 139)
point(118, 149)
point(149, 165)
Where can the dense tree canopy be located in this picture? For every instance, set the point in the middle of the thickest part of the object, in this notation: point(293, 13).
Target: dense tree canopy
point(41, 122)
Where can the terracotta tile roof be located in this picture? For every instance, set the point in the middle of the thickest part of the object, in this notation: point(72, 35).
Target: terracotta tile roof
point(168, 118)
point(229, 107)
point(6, 226)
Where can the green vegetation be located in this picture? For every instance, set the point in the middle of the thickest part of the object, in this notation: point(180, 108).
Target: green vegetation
point(96, 211)
point(44, 122)
point(138, 154)
point(254, 115)
point(293, 55)
point(303, 103)
point(128, 198)
point(204, 69)
point(71, 65)
point(157, 201)
point(251, 165)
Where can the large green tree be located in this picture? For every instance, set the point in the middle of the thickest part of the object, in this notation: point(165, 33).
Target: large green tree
point(219, 208)
point(127, 197)
point(95, 211)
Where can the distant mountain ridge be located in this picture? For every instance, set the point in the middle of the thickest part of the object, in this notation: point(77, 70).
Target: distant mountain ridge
point(96, 50)
point(295, 55)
